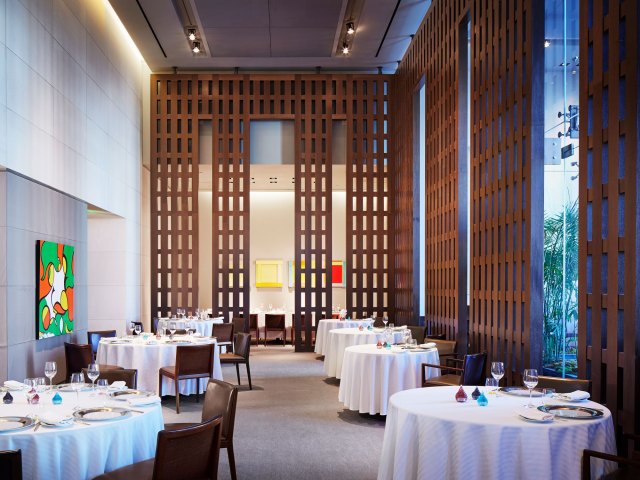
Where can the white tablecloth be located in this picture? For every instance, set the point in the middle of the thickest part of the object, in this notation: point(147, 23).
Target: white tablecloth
point(429, 435)
point(203, 327)
point(371, 375)
point(324, 326)
point(148, 359)
point(339, 339)
point(80, 451)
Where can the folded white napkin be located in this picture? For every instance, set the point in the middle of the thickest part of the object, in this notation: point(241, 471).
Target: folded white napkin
point(574, 396)
point(534, 414)
point(119, 385)
point(54, 418)
point(428, 345)
point(142, 401)
point(14, 385)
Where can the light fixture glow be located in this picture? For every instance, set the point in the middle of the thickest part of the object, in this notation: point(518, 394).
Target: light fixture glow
point(345, 49)
point(547, 43)
point(195, 47)
point(350, 28)
point(191, 34)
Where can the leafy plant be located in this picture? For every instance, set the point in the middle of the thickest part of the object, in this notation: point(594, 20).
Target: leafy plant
point(559, 229)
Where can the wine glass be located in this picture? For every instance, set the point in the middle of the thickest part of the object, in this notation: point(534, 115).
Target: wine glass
point(77, 382)
point(31, 389)
point(172, 328)
point(50, 370)
point(137, 328)
point(132, 328)
point(93, 372)
point(385, 320)
point(530, 380)
point(497, 370)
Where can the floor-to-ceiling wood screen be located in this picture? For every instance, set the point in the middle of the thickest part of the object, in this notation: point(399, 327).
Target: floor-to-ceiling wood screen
point(230, 102)
point(609, 260)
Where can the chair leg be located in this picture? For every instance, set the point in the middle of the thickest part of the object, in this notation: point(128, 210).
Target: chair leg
point(177, 385)
point(249, 375)
point(232, 462)
point(238, 372)
point(160, 385)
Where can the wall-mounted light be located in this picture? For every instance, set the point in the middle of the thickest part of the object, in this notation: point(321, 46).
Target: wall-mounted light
point(351, 29)
point(195, 47)
point(345, 48)
point(547, 43)
point(191, 34)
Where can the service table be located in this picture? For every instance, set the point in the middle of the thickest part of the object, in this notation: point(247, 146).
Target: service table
point(429, 435)
point(79, 449)
point(370, 375)
point(324, 326)
point(148, 356)
point(341, 338)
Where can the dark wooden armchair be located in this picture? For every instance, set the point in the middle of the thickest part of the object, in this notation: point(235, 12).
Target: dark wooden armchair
point(628, 468)
point(472, 372)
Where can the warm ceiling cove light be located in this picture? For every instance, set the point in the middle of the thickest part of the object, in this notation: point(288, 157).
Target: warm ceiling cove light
point(191, 34)
point(345, 49)
point(351, 29)
point(547, 43)
point(195, 47)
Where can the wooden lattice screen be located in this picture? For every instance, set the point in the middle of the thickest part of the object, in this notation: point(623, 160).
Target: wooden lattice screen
point(609, 263)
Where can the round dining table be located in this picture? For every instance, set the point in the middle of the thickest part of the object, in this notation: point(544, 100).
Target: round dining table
point(341, 338)
point(326, 325)
point(430, 435)
point(80, 450)
point(370, 375)
point(148, 356)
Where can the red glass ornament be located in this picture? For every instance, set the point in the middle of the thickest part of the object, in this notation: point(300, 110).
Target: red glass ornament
point(461, 395)
point(379, 345)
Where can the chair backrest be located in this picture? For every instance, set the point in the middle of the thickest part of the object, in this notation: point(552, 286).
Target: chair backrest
point(437, 336)
point(378, 323)
point(274, 320)
point(242, 344)
point(222, 331)
point(221, 398)
point(564, 385)
point(474, 369)
point(253, 321)
point(238, 325)
point(443, 346)
point(126, 375)
point(417, 332)
point(77, 356)
point(95, 336)
point(194, 360)
point(11, 464)
point(191, 452)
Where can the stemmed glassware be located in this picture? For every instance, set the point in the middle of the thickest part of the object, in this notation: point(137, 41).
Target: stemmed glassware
point(31, 388)
point(385, 320)
point(491, 384)
point(497, 371)
point(77, 382)
point(530, 380)
point(172, 328)
point(50, 370)
point(93, 372)
point(132, 328)
point(137, 328)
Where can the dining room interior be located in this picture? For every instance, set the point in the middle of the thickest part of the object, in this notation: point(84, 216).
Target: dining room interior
point(322, 239)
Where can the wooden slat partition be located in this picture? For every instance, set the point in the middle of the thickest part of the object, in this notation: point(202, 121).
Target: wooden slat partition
point(609, 175)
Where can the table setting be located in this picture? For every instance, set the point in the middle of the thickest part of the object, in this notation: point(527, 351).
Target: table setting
point(326, 325)
point(77, 430)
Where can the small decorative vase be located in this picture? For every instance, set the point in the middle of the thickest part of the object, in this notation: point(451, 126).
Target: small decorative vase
point(57, 399)
point(461, 395)
point(8, 398)
point(35, 400)
point(475, 394)
point(379, 345)
point(360, 328)
point(483, 401)
point(387, 346)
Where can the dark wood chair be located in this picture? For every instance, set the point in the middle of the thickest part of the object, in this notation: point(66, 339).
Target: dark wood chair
point(78, 356)
point(221, 398)
point(253, 326)
point(93, 338)
point(446, 348)
point(628, 467)
point(303, 332)
point(378, 323)
point(437, 336)
point(564, 385)
point(275, 322)
point(471, 373)
point(192, 362)
point(11, 464)
point(126, 375)
point(238, 325)
point(417, 333)
point(192, 452)
point(240, 355)
point(223, 333)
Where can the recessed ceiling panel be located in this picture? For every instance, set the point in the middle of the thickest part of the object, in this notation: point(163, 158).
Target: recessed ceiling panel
point(305, 13)
point(233, 13)
point(302, 42)
point(238, 42)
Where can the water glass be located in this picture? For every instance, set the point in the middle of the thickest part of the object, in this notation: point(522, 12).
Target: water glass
point(77, 382)
point(497, 370)
point(93, 372)
point(530, 380)
point(491, 384)
point(31, 388)
point(547, 393)
point(50, 370)
point(137, 329)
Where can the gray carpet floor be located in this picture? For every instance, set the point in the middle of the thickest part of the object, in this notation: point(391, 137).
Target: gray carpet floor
point(291, 424)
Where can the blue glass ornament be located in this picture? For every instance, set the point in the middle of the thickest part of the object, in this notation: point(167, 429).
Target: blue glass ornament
point(483, 401)
point(57, 399)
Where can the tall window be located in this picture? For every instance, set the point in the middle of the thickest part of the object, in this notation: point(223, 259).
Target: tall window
point(561, 187)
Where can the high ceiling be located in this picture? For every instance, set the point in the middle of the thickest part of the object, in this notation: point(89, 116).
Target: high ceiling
point(275, 35)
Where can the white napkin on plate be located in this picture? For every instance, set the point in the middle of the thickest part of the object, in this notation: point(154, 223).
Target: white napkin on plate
point(14, 385)
point(534, 414)
point(119, 385)
point(54, 418)
point(573, 396)
point(142, 401)
point(428, 345)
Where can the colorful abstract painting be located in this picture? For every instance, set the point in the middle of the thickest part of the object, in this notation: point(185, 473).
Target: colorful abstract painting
point(338, 274)
point(55, 285)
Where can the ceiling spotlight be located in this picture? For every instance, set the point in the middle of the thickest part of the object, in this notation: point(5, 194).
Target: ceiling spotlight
point(345, 49)
point(195, 47)
point(191, 34)
point(547, 43)
point(350, 28)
